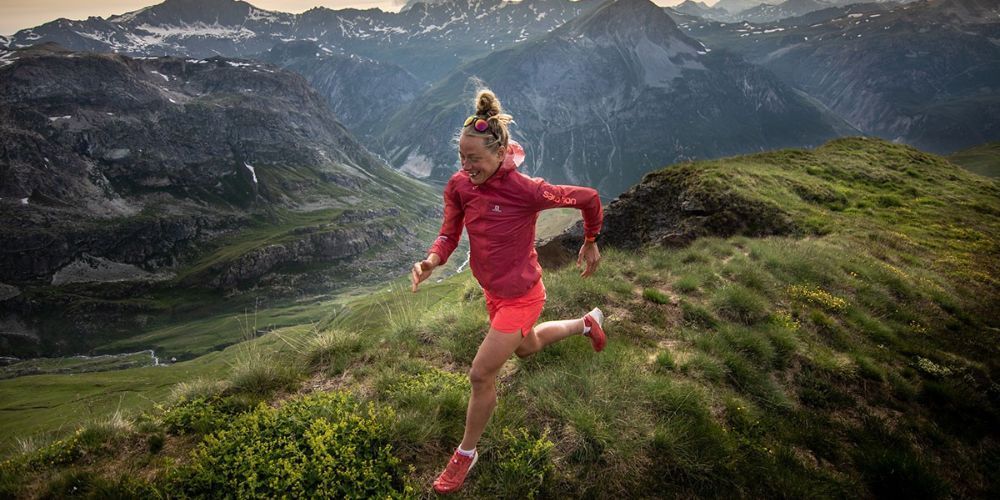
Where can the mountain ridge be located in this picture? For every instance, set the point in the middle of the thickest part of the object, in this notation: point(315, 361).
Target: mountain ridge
point(427, 40)
point(594, 99)
point(920, 73)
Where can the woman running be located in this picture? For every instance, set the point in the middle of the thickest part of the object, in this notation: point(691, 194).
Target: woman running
point(499, 207)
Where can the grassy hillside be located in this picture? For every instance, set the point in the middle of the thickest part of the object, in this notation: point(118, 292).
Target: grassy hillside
point(857, 357)
point(983, 159)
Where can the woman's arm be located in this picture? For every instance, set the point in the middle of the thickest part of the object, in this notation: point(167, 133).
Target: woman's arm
point(588, 201)
point(447, 240)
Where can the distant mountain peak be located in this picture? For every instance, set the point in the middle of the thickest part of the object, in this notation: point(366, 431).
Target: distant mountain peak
point(628, 18)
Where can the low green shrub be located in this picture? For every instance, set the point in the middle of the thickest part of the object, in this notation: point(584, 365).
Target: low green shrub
point(198, 416)
point(524, 463)
point(322, 445)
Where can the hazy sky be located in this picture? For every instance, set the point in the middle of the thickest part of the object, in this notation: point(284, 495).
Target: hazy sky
point(19, 14)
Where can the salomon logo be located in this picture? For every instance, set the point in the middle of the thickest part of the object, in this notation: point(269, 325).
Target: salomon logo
point(558, 199)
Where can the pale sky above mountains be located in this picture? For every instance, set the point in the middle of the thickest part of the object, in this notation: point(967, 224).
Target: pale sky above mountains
point(19, 14)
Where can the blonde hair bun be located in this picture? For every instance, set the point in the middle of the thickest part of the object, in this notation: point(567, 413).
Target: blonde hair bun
point(488, 106)
point(487, 103)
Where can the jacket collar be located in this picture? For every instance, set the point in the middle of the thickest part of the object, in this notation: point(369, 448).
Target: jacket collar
point(513, 159)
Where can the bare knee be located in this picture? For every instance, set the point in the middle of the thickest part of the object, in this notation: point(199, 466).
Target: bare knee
point(479, 377)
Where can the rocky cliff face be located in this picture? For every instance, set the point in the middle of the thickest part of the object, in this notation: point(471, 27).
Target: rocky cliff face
point(163, 150)
point(363, 93)
point(609, 96)
point(672, 207)
point(219, 174)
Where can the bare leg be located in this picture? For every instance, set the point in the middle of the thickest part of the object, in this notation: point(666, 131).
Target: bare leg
point(547, 333)
point(493, 353)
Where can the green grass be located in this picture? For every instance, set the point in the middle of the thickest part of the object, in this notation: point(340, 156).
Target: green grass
point(192, 338)
point(79, 364)
point(857, 362)
point(983, 159)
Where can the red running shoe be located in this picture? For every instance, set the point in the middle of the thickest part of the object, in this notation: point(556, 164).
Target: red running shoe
point(595, 320)
point(453, 476)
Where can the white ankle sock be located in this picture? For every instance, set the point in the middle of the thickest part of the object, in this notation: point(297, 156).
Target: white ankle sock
point(597, 316)
point(468, 453)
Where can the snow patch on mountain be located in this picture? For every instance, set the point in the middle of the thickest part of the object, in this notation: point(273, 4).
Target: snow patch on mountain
point(199, 29)
point(262, 15)
point(252, 171)
point(89, 269)
point(417, 165)
point(128, 16)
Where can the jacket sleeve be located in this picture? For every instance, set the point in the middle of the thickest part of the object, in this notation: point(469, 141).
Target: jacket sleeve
point(451, 227)
point(584, 198)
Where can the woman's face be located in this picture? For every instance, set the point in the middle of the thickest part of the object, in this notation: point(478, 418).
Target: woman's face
point(477, 161)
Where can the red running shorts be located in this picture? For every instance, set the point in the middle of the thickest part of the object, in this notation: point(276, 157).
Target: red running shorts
point(517, 314)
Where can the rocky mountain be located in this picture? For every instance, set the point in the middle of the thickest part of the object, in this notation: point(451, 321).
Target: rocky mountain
point(176, 173)
point(737, 6)
point(363, 93)
point(609, 96)
point(790, 8)
point(759, 12)
point(923, 73)
point(427, 39)
point(410, 3)
point(701, 9)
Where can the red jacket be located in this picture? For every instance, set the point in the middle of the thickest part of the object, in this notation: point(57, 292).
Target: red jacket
point(499, 216)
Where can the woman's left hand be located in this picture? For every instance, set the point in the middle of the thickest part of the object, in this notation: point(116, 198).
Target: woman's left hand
point(590, 254)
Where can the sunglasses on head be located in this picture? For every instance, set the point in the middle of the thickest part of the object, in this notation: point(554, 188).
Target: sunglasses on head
point(479, 123)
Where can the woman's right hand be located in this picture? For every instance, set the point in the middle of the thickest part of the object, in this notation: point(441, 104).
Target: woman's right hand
point(422, 270)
